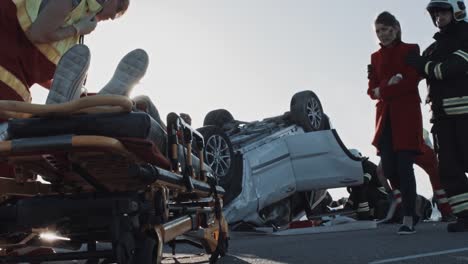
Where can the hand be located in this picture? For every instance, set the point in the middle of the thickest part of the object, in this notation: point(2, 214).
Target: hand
point(395, 79)
point(369, 71)
point(86, 25)
point(376, 92)
point(416, 61)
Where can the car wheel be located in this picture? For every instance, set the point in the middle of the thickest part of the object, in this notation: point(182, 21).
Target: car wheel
point(327, 124)
point(219, 154)
point(307, 112)
point(218, 118)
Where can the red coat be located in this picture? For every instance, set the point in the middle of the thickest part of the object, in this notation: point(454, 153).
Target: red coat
point(400, 102)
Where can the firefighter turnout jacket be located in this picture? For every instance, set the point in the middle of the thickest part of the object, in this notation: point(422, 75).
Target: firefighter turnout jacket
point(446, 72)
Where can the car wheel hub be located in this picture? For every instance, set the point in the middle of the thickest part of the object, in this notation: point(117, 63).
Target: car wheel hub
point(314, 113)
point(217, 155)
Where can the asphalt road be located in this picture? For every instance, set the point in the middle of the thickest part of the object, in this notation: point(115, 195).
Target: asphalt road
point(431, 244)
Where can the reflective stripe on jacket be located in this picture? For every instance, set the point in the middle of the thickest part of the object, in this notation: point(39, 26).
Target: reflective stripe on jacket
point(28, 11)
point(23, 63)
point(447, 72)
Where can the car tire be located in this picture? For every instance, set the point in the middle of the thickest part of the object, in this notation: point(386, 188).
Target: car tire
point(218, 118)
point(219, 153)
point(307, 112)
point(327, 124)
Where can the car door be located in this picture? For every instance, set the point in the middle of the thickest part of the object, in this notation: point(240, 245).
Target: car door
point(320, 160)
point(271, 171)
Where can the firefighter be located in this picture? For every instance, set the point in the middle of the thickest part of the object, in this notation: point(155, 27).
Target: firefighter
point(364, 199)
point(444, 64)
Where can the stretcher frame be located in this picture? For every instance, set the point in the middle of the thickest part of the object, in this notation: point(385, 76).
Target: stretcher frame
point(150, 205)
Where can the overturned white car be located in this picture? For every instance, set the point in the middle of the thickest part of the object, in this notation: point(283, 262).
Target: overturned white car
point(263, 163)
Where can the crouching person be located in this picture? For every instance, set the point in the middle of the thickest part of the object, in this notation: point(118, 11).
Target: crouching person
point(366, 199)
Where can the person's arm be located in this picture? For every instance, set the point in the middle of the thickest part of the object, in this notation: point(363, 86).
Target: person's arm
point(48, 25)
point(407, 85)
point(454, 66)
point(373, 83)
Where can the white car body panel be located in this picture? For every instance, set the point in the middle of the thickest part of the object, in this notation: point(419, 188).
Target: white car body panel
point(286, 162)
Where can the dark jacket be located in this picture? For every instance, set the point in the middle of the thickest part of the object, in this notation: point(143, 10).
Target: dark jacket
point(399, 102)
point(446, 72)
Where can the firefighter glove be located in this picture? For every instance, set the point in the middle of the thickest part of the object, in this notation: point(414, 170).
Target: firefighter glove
point(418, 62)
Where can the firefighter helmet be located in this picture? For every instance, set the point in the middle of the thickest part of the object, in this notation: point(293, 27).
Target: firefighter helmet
point(456, 6)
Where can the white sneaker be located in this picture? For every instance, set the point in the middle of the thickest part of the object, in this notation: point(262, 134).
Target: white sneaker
point(132, 67)
point(69, 75)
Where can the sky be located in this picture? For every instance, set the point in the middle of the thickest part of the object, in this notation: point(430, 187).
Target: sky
point(251, 56)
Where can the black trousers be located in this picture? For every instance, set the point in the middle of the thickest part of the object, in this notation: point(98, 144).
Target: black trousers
point(398, 168)
point(451, 144)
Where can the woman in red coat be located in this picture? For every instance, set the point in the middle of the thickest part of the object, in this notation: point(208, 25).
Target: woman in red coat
point(398, 112)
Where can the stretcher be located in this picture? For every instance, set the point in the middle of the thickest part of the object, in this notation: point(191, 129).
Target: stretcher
point(109, 175)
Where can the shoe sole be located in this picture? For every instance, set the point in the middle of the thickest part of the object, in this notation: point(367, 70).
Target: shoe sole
point(69, 75)
point(131, 68)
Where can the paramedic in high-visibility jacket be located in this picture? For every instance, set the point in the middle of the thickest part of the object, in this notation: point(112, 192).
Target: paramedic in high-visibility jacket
point(34, 34)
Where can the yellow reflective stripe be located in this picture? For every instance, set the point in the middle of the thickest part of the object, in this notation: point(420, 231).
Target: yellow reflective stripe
point(25, 21)
point(368, 176)
point(442, 200)
point(438, 71)
point(457, 110)
point(462, 54)
point(93, 6)
point(458, 198)
point(426, 67)
point(363, 207)
point(459, 208)
point(382, 190)
point(9, 79)
point(50, 52)
point(455, 101)
point(23, 17)
point(365, 204)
